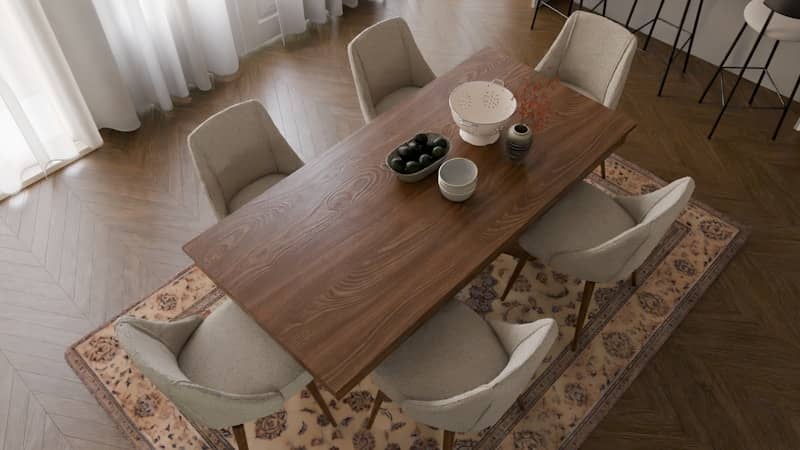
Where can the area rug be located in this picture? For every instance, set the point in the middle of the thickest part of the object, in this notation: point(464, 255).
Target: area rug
point(569, 395)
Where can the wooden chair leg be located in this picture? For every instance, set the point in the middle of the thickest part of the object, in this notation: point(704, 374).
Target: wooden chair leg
point(603, 169)
point(240, 436)
point(521, 260)
point(588, 290)
point(449, 437)
point(321, 402)
point(635, 278)
point(376, 406)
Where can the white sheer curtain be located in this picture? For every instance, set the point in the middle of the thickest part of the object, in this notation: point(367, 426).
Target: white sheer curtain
point(293, 13)
point(68, 68)
point(43, 118)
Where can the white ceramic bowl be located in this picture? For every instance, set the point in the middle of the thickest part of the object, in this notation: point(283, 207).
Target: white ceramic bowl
point(481, 109)
point(458, 178)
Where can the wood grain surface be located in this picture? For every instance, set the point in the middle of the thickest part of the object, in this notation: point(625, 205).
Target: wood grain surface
point(340, 261)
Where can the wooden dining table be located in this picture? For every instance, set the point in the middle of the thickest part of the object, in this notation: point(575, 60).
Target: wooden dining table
point(340, 261)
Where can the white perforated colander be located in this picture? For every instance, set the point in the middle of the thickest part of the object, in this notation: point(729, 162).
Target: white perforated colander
point(480, 109)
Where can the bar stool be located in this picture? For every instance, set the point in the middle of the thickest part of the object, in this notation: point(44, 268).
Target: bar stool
point(536, 4)
point(679, 31)
point(778, 20)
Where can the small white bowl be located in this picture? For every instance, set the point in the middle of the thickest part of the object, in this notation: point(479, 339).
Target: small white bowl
point(456, 197)
point(458, 175)
point(458, 178)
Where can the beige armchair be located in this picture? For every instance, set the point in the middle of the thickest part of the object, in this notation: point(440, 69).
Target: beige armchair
point(592, 55)
point(387, 66)
point(460, 373)
point(239, 154)
point(600, 238)
point(219, 371)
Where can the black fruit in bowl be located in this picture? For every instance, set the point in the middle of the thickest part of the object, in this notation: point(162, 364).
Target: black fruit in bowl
point(414, 149)
point(412, 166)
point(421, 139)
point(397, 164)
point(439, 142)
point(404, 151)
point(438, 152)
point(425, 160)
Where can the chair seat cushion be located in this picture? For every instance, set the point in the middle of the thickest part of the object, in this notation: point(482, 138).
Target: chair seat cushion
point(452, 353)
point(584, 218)
point(581, 91)
point(781, 28)
point(230, 352)
point(253, 190)
point(395, 98)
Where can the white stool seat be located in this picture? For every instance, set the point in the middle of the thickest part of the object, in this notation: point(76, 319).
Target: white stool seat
point(781, 28)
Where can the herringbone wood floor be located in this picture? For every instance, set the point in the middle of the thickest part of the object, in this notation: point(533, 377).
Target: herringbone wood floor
point(82, 245)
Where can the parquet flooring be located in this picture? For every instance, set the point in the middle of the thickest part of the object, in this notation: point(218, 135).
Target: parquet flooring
point(78, 247)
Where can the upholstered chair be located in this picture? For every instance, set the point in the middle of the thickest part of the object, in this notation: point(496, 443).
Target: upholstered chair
point(601, 238)
point(387, 66)
point(238, 154)
point(592, 55)
point(461, 373)
point(219, 371)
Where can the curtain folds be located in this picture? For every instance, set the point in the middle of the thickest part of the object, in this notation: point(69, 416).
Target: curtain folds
point(293, 13)
point(70, 68)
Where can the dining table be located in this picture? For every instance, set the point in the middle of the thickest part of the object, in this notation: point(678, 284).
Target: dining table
point(340, 261)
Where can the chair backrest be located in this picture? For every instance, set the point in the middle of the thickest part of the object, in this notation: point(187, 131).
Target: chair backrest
point(153, 348)
point(236, 146)
point(593, 54)
point(618, 257)
point(385, 58)
point(527, 346)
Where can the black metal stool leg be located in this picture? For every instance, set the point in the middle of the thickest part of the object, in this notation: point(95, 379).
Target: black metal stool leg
point(691, 38)
point(786, 108)
point(653, 26)
point(535, 12)
point(763, 72)
point(569, 7)
point(674, 47)
point(604, 8)
point(722, 64)
point(630, 14)
point(741, 73)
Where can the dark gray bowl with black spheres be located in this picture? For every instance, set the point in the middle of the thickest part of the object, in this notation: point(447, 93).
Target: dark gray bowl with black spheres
point(419, 157)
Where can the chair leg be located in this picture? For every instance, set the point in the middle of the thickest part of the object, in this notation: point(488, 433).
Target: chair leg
point(722, 64)
point(240, 436)
point(789, 102)
point(603, 169)
point(535, 12)
point(653, 26)
point(588, 290)
point(763, 72)
point(741, 74)
point(522, 258)
point(380, 397)
point(312, 388)
point(630, 14)
point(635, 278)
point(691, 38)
point(674, 47)
point(449, 437)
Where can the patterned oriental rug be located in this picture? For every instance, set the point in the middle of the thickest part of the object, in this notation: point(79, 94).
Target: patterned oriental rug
point(567, 398)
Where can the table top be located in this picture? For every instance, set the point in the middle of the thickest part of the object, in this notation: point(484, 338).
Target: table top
point(340, 261)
